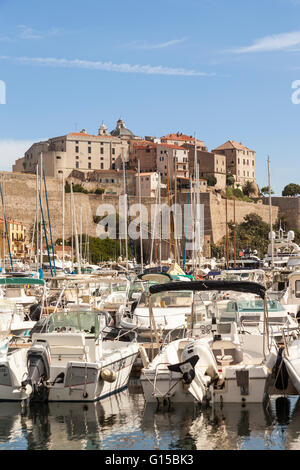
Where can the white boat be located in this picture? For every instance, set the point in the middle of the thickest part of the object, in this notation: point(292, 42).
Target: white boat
point(291, 298)
point(249, 316)
point(68, 362)
point(223, 366)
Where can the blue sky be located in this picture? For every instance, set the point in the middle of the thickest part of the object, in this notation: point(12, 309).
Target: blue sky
point(222, 69)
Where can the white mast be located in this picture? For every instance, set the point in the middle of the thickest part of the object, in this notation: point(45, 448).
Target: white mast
point(63, 221)
point(159, 222)
point(125, 210)
point(141, 221)
point(76, 233)
point(270, 211)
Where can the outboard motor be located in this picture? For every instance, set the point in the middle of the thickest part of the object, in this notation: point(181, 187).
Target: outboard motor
point(35, 311)
point(280, 372)
point(38, 365)
point(186, 368)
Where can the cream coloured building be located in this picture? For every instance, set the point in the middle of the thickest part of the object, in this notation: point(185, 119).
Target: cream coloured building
point(80, 151)
point(240, 161)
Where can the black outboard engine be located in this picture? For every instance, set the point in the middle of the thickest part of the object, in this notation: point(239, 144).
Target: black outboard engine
point(35, 311)
point(38, 365)
point(187, 369)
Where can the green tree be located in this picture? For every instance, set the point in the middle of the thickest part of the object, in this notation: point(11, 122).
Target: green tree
point(252, 233)
point(211, 180)
point(265, 190)
point(230, 179)
point(291, 189)
point(248, 188)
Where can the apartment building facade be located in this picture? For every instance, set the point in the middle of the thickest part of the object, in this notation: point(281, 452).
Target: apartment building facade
point(210, 164)
point(240, 161)
point(79, 150)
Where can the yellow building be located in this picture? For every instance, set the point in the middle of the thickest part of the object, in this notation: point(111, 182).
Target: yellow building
point(16, 234)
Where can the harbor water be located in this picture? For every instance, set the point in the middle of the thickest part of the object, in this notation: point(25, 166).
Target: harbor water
point(124, 422)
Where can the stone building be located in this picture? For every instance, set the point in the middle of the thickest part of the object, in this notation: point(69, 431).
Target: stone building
point(79, 151)
point(160, 158)
point(240, 161)
point(179, 138)
point(210, 164)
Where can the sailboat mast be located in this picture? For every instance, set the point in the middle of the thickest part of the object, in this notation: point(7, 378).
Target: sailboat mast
point(41, 217)
point(76, 232)
point(63, 221)
point(141, 222)
point(3, 232)
point(159, 220)
point(125, 209)
point(36, 216)
point(270, 212)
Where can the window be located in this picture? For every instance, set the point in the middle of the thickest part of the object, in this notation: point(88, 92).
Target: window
point(89, 143)
point(90, 158)
point(101, 166)
point(102, 150)
point(77, 149)
point(113, 151)
point(77, 142)
point(297, 289)
point(58, 158)
point(89, 165)
point(77, 158)
point(90, 149)
point(243, 161)
point(248, 162)
point(252, 162)
point(77, 164)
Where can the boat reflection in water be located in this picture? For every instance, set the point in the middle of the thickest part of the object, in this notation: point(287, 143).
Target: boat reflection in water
point(124, 422)
point(112, 423)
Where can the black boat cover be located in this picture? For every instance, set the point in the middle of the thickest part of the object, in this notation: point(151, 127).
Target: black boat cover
point(238, 286)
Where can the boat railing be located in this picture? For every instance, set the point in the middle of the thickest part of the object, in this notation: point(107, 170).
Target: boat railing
point(168, 337)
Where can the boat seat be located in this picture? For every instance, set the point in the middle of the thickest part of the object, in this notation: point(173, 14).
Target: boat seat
point(222, 349)
point(64, 344)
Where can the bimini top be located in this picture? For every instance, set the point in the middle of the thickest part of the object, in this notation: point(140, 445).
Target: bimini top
point(21, 281)
point(238, 286)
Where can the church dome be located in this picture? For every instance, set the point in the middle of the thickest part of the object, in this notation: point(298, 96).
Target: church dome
point(121, 130)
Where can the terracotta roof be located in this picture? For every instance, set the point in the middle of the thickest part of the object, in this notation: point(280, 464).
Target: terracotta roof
point(232, 144)
point(172, 146)
point(180, 136)
point(82, 134)
point(144, 146)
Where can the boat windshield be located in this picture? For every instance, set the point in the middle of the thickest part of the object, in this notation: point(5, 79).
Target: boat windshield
point(118, 287)
point(80, 321)
point(138, 287)
point(256, 305)
point(169, 299)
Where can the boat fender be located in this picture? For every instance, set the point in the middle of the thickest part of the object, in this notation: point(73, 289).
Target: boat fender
point(108, 375)
point(280, 372)
point(144, 357)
